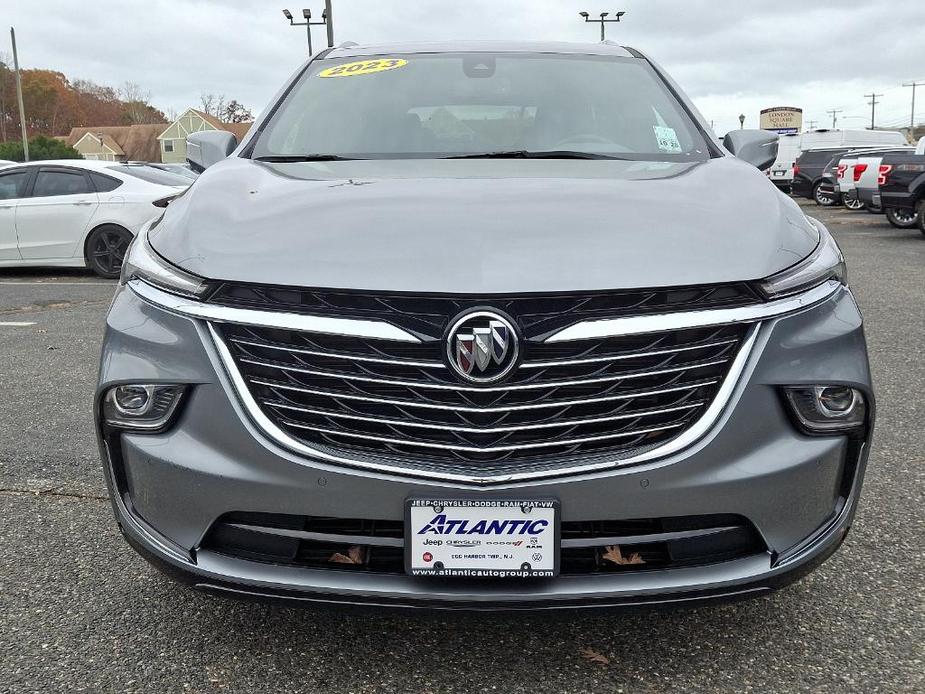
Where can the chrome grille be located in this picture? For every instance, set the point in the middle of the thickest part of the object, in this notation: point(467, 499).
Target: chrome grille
point(361, 396)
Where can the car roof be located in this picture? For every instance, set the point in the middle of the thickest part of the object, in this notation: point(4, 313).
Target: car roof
point(558, 47)
point(91, 164)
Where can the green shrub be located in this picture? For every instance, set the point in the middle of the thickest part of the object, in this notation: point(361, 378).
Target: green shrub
point(41, 148)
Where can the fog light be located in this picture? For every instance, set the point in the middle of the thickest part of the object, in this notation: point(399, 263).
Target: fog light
point(142, 407)
point(827, 410)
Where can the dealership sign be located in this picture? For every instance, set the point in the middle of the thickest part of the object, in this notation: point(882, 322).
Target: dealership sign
point(785, 120)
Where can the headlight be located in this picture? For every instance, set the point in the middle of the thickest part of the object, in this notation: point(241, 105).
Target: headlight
point(143, 262)
point(824, 263)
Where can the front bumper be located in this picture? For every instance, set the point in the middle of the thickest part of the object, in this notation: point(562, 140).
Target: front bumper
point(800, 493)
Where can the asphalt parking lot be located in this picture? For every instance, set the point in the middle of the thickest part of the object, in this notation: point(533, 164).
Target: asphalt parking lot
point(81, 612)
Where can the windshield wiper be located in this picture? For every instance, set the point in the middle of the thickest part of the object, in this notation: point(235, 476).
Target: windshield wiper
point(287, 158)
point(527, 154)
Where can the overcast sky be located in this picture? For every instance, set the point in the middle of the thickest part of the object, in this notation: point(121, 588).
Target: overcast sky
point(731, 56)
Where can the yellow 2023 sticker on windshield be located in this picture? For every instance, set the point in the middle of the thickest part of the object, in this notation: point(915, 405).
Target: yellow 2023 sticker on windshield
point(363, 67)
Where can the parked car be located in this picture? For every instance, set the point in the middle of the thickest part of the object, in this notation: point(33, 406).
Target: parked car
point(77, 213)
point(866, 174)
point(902, 189)
point(532, 341)
point(808, 180)
point(851, 167)
point(792, 146)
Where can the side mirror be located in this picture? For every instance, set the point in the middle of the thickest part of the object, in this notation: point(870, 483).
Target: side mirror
point(757, 147)
point(208, 147)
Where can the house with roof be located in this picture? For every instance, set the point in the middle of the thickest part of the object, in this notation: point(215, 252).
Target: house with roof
point(117, 143)
point(173, 139)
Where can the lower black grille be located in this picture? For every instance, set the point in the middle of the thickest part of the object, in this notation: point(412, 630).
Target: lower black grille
point(588, 547)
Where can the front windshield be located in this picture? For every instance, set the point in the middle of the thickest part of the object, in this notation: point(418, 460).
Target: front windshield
point(439, 105)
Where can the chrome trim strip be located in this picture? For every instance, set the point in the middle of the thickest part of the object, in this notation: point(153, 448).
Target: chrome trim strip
point(623, 357)
point(488, 449)
point(644, 539)
point(488, 430)
point(464, 408)
point(333, 538)
point(487, 389)
point(341, 355)
point(640, 325)
point(685, 439)
point(378, 330)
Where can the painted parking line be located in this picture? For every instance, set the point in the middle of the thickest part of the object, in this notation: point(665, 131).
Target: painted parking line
point(15, 325)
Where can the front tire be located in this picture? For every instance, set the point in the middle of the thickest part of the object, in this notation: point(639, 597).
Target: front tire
point(853, 204)
point(821, 198)
point(106, 248)
point(901, 219)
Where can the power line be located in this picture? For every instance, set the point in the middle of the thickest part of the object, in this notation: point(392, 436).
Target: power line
point(913, 84)
point(873, 109)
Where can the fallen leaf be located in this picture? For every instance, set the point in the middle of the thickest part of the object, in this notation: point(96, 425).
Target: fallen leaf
point(593, 656)
point(355, 555)
point(613, 554)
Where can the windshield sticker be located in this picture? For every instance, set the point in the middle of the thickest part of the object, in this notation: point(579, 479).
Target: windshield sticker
point(364, 67)
point(667, 139)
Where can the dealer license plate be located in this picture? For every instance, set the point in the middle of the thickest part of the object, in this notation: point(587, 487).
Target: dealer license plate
point(482, 538)
point(779, 173)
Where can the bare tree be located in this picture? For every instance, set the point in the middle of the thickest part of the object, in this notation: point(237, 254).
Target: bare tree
point(138, 108)
point(213, 105)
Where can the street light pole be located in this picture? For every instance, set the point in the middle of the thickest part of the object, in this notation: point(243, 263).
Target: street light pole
point(329, 18)
point(308, 24)
point(603, 21)
point(22, 110)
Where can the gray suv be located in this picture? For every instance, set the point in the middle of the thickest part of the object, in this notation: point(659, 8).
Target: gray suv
point(484, 326)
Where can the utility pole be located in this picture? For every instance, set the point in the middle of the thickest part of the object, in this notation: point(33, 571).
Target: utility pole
point(22, 110)
point(812, 125)
point(913, 84)
point(873, 109)
point(603, 21)
point(834, 113)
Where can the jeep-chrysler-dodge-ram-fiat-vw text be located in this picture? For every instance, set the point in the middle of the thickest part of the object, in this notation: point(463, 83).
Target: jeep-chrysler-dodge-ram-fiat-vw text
point(484, 326)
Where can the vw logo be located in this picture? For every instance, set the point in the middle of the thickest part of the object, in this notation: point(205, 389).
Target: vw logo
point(482, 347)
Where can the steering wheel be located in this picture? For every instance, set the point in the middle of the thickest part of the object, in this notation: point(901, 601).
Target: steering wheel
point(587, 137)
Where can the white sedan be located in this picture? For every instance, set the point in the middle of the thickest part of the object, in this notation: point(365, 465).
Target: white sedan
point(78, 213)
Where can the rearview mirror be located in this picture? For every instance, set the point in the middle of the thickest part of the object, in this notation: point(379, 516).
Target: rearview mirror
point(203, 149)
point(757, 147)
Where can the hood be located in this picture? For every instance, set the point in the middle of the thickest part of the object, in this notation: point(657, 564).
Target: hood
point(484, 226)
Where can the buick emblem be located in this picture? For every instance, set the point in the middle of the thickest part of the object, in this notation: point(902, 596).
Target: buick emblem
point(482, 347)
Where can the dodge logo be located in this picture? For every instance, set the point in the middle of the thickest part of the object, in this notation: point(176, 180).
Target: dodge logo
point(482, 347)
